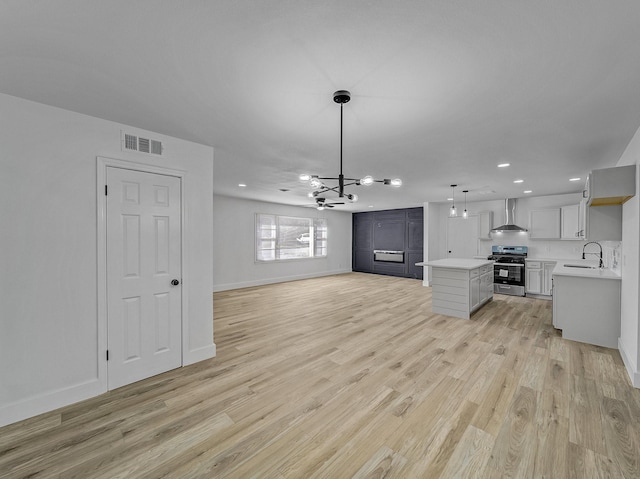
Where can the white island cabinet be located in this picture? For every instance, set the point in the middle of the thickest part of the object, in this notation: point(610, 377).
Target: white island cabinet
point(460, 286)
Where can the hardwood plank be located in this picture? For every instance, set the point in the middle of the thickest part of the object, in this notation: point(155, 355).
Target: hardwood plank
point(354, 385)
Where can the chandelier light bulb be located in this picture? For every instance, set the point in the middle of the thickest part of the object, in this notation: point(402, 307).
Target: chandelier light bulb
point(453, 211)
point(305, 177)
point(465, 214)
point(310, 194)
point(320, 207)
point(352, 197)
point(396, 182)
point(315, 182)
point(366, 181)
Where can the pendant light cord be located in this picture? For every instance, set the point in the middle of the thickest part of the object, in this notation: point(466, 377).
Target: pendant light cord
point(341, 104)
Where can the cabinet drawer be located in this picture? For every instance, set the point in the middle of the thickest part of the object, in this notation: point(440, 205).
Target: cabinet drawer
point(534, 264)
point(474, 273)
point(486, 268)
point(450, 273)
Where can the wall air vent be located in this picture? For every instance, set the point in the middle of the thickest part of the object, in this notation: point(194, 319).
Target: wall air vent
point(130, 142)
point(143, 145)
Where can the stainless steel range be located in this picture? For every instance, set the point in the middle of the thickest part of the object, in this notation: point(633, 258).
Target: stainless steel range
point(509, 269)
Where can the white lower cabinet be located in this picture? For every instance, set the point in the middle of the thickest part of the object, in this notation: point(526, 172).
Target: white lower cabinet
point(587, 309)
point(538, 277)
point(459, 292)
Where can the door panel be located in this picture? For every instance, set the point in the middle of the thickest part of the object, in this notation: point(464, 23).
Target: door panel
point(462, 237)
point(143, 256)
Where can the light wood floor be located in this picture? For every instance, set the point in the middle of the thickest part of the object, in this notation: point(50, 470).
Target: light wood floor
point(353, 376)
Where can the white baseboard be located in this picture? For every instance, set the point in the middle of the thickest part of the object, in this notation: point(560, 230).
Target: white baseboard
point(283, 279)
point(633, 373)
point(199, 354)
point(49, 401)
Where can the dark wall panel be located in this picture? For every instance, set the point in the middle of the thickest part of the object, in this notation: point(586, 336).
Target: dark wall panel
point(389, 235)
point(390, 230)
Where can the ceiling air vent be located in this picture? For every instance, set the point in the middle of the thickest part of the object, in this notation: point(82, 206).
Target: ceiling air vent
point(143, 145)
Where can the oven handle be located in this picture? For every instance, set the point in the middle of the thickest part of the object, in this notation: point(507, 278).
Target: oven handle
point(509, 264)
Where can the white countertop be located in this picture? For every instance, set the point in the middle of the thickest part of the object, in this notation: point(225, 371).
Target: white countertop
point(456, 263)
point(562, 270)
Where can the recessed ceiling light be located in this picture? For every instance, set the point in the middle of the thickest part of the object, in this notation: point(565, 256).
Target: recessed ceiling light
point(370, 206)
point(518, 181)
point(504, 165)
point(575, 179)
point(242, 185)
point(449, 199)
point(527, 191)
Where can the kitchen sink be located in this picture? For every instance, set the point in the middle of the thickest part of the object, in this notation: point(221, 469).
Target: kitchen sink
point(578, 266)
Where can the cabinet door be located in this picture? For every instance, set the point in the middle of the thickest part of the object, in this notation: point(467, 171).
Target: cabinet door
point(547, 280)
point(485, 223)
point(474, 296)
point(544, 224)
point(486, 286)
point(570, 222)
point(534, 281)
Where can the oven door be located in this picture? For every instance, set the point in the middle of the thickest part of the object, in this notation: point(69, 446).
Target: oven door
point(508, 273)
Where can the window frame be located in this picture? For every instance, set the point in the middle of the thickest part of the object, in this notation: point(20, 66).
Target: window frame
point(317, 226)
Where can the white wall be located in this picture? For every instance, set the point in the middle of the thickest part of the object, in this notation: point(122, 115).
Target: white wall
point(431, 241)
point(49, 326)
point(629, 344)
point(234, 245)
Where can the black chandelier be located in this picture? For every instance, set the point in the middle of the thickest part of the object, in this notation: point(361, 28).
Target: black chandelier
point(317, 182)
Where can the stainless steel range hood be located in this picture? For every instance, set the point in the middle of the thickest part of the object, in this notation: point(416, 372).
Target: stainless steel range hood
point(509, 225)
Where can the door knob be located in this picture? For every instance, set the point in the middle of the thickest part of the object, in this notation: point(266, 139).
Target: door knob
point(175, 282)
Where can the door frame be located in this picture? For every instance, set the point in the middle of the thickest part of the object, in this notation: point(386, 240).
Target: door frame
point(102, 163)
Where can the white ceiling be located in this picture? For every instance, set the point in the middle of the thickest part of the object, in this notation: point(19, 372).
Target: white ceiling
point(442, 91)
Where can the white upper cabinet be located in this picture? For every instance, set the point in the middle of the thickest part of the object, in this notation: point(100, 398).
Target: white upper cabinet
point(485, 223)
point(544, 224)
point(610, 186)
point(570, 222)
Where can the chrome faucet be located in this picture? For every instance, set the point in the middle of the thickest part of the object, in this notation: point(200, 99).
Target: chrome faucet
point(601, 264)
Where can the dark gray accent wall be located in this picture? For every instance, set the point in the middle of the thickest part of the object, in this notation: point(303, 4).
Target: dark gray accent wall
point(390, 230)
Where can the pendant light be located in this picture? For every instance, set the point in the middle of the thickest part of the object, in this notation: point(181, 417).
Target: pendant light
point(465, 213)
point(453, 212)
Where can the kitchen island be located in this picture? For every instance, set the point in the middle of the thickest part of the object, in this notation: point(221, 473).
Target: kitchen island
point(460, 286)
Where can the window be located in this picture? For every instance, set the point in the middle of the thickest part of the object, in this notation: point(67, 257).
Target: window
point(286, 237)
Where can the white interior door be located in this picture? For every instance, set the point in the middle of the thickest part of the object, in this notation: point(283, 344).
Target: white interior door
point(462, 237)
point(144, 308)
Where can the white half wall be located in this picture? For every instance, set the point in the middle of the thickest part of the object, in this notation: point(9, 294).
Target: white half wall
point(629, 343)
point(50, 353)
point(234, 263)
